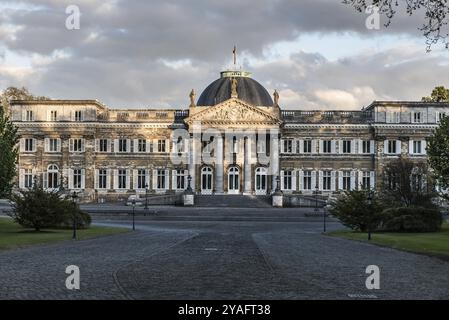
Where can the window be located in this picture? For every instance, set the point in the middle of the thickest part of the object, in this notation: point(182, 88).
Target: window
point(207, 147)
point(416, 181)
point(366, 146)
point(29, 145)
point(417, 117)
point(287, 180)
point(53, 115)
point(346, 180)
point(346, 146)
point(122, 145)
point(53, 145)
point(327, 179)
point(122, 177)
point(180, 180)
point(288, 145)
point(327, 146)
point(29, 115)
point(440, 116)
point(393, 117)
point(28, 178)
point(161, 178)
point(417, 147)
point(392, 147)
point(307, 146)
point(366, 180)
point(77, 176)
point(78, 116)
point(103, 145)
point(102, 178)
point(77, 145)
point(391, 181)
point(161, 146)
point(141, 179)
point(52, 176)
point(141, 145)
point(307, 180)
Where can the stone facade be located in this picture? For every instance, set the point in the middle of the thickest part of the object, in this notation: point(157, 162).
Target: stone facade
point(232, 147)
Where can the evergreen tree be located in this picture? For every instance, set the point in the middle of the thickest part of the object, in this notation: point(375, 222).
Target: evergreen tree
point(8, 153)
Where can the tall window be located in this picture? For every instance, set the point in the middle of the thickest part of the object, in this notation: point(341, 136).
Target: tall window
point(327, 179)
point(77, 176)
point(53, 115)
point(327, 146)
point(417, 117)
point(287, 185)
point(307, 146)
point(78, 116)
point(77, 145)
point(141, 179)
point(307, 180)
point(366, 180)
point(53, 177)
point(28, 177)
point(417, 147)
point(161, 146)
point(29, 145)
point(366, 146)
point(103, 145)
point(347, 146)
point(142, 145)
point(122, 145)
point(161, 179)
point(288, 145)
point(29, 115)
point(122, 177)
point(102, 178)
point(180, 180)
point(392, 147)
point(53, 145)
point(346, 180)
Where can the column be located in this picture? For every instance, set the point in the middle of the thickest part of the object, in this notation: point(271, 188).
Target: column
point(247, 167)
point(219, 165)
point(274, 157)
point(193, 158)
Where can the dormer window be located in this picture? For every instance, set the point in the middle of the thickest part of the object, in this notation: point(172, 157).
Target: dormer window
point(78, 116)
point(29, 115)
point(53, 116)
point(417, 117)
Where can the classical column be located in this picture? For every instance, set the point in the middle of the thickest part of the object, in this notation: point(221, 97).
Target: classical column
point(274, 157)
point(247, 167)
point(193, 158)
point(219, 165)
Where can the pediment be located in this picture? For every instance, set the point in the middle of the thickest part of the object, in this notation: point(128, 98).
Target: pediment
point(233, 111)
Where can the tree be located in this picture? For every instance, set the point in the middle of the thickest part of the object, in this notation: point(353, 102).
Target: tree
point(9, 153)
point(436, 15)
point(406, 184)
point(439, 94)
point(38, 209)
point(13, 93)
point(355, 211)
point(438, 155)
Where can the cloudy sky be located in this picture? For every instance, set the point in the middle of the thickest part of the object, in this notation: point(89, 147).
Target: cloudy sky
point(150, 53)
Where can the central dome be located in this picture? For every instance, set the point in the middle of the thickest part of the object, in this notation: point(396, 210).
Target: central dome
point(248, 90)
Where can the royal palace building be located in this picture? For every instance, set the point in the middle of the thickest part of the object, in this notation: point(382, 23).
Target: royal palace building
point(234, 139)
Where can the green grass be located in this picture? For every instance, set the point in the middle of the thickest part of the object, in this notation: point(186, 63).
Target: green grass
point(12, 235)
point(430, 243)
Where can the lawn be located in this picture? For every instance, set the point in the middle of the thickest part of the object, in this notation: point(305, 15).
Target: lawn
point(431, 243)
point(12, 235)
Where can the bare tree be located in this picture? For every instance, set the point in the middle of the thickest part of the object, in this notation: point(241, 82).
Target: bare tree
point(436, 15)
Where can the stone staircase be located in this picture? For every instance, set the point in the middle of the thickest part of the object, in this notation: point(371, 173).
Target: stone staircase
point(233, 201)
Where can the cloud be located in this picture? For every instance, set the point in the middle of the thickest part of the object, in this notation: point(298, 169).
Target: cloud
point(135, 53)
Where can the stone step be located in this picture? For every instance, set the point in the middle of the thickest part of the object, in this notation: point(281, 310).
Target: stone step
point(233, 201)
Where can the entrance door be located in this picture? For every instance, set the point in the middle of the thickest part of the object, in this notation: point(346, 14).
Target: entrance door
point(206, 180)
point(261, 181)
point(233, 181)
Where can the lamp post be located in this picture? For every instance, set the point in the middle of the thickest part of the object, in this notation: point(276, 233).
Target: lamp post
point(324, 216)
point(74, 197)
point(316, 196)
point(146, 199)
point(134, 211)
point(370, 200)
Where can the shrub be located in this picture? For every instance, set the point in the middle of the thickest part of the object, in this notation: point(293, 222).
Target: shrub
point(412, 219)
point(38, 209)
point(354, 211)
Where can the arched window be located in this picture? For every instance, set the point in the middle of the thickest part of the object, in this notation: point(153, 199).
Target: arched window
point(52, 176)
point(233, 180)
point(261, 180)
point(206, 180)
